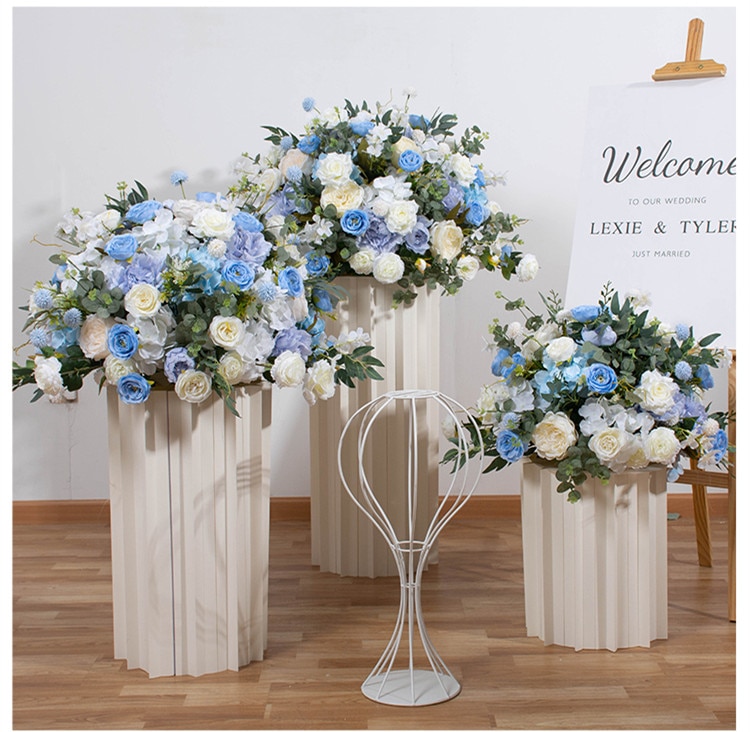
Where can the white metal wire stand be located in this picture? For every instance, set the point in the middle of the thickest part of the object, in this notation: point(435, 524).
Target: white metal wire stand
point(411, 686)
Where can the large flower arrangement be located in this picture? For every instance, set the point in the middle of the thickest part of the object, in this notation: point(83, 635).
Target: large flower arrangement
point(600, 389)
point(192, 295)
point(384, 192)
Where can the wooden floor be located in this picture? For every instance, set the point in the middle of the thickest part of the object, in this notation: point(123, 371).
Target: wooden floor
point(326, 633)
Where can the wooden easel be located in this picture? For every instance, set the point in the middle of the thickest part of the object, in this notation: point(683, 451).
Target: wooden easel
point(693, 67)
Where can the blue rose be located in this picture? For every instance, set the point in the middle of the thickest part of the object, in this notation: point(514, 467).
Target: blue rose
point(604, 335)
point(585, 313)
point(206, 196)
point(122, 341)
point(360, 127)
point(600, 378)
point(133, 389)
point(418, 121)
point(240, 273)
point(720, 445)
point(142, 212)
point(317, 264)
point(176, 361)
point(291, 281)
point(355, 222)
point(309, 144)
point(477, 214)
point(703, 372)
point(322, 299)
point(504, 364)
point(122, 246)
point(247, 222)
point(410, 160)
point(510, 446)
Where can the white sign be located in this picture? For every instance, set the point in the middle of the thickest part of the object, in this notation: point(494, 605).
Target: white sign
point(657, 203)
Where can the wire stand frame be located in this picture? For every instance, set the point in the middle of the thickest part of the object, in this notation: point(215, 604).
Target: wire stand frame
point(412, 686)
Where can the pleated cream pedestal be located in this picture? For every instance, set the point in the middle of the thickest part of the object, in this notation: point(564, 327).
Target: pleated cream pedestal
point(407, 341)
point(189, 495)
point(595, 572)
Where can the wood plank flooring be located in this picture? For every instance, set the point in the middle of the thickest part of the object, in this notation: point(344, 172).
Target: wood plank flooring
point(326, 633)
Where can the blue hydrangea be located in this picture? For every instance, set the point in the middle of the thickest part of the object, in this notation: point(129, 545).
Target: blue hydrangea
point(504, 364)
point(604, 335)
point(720, 445)
point(251, 246)
point(379, 237)
point(295, 340)
point(418, 239)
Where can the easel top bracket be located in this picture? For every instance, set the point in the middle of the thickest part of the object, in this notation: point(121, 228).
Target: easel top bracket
point(693, 67)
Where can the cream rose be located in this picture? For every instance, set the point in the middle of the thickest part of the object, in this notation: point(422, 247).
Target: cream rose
point(388, 268)
point(295, 158)
point(662, 445)
point(656, 392)
point(93, 338)
point(47, 376)
point(402, 216)
point(114, 368)
point(344, 197)
point(463, 169)
point(527, 268)
point(226, 332)
point(231, 367)
point(447, 239)
point(553, 436)
point(638, 458)
point(334, 169)
point(319, 382)
point(561, 349)
point(467, 267)
point(362, 261)
point(213, 224)
point(193, 386)
point(142, 300)
point(269, 180)
point(288, 369)
point(610, 445)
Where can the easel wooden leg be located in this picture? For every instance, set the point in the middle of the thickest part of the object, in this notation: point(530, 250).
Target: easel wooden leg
point(702, 527)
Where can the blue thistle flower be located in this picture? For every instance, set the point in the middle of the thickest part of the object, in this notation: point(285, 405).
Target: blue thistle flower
point(178, 177)
point(39, 337)
point(43, 299)
point(308, 103)
point(72, 317)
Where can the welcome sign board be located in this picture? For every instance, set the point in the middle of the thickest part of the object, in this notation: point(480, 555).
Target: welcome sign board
point(657, 203)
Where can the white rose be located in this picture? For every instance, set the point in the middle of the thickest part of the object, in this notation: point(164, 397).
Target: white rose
point(402, 216)
point(611, 445)
point(561, 349)
point(213, 224)
point(93, 338)
point(463, 169)
point(467, 267)
point(447, 239)
point(362, 261)
point(662, 445)
point(226, 332)
point(231, 367)
point(527, 268)
point(300, 308)
point(114, 368)
point(47, 376)
point(656, 392)
point(186, 209)
point(400, 146)
point(388, 268)
point(142, 300)
point(108, 220)
point(295, 158)
point(638, 458)
point(344, 197)
point(269, 180)
point(193, 386)
point(288, 369)
point(319, 382)
point(553, 436)
point(334, 169)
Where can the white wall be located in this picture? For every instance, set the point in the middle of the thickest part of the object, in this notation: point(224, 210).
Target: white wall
point(103, 95)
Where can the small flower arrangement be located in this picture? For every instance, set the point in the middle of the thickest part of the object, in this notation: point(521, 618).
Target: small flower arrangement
point(599, 389)
point(379, 191)
point(193, 295)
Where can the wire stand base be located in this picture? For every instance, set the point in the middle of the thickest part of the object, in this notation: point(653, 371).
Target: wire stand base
point(411, 688)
